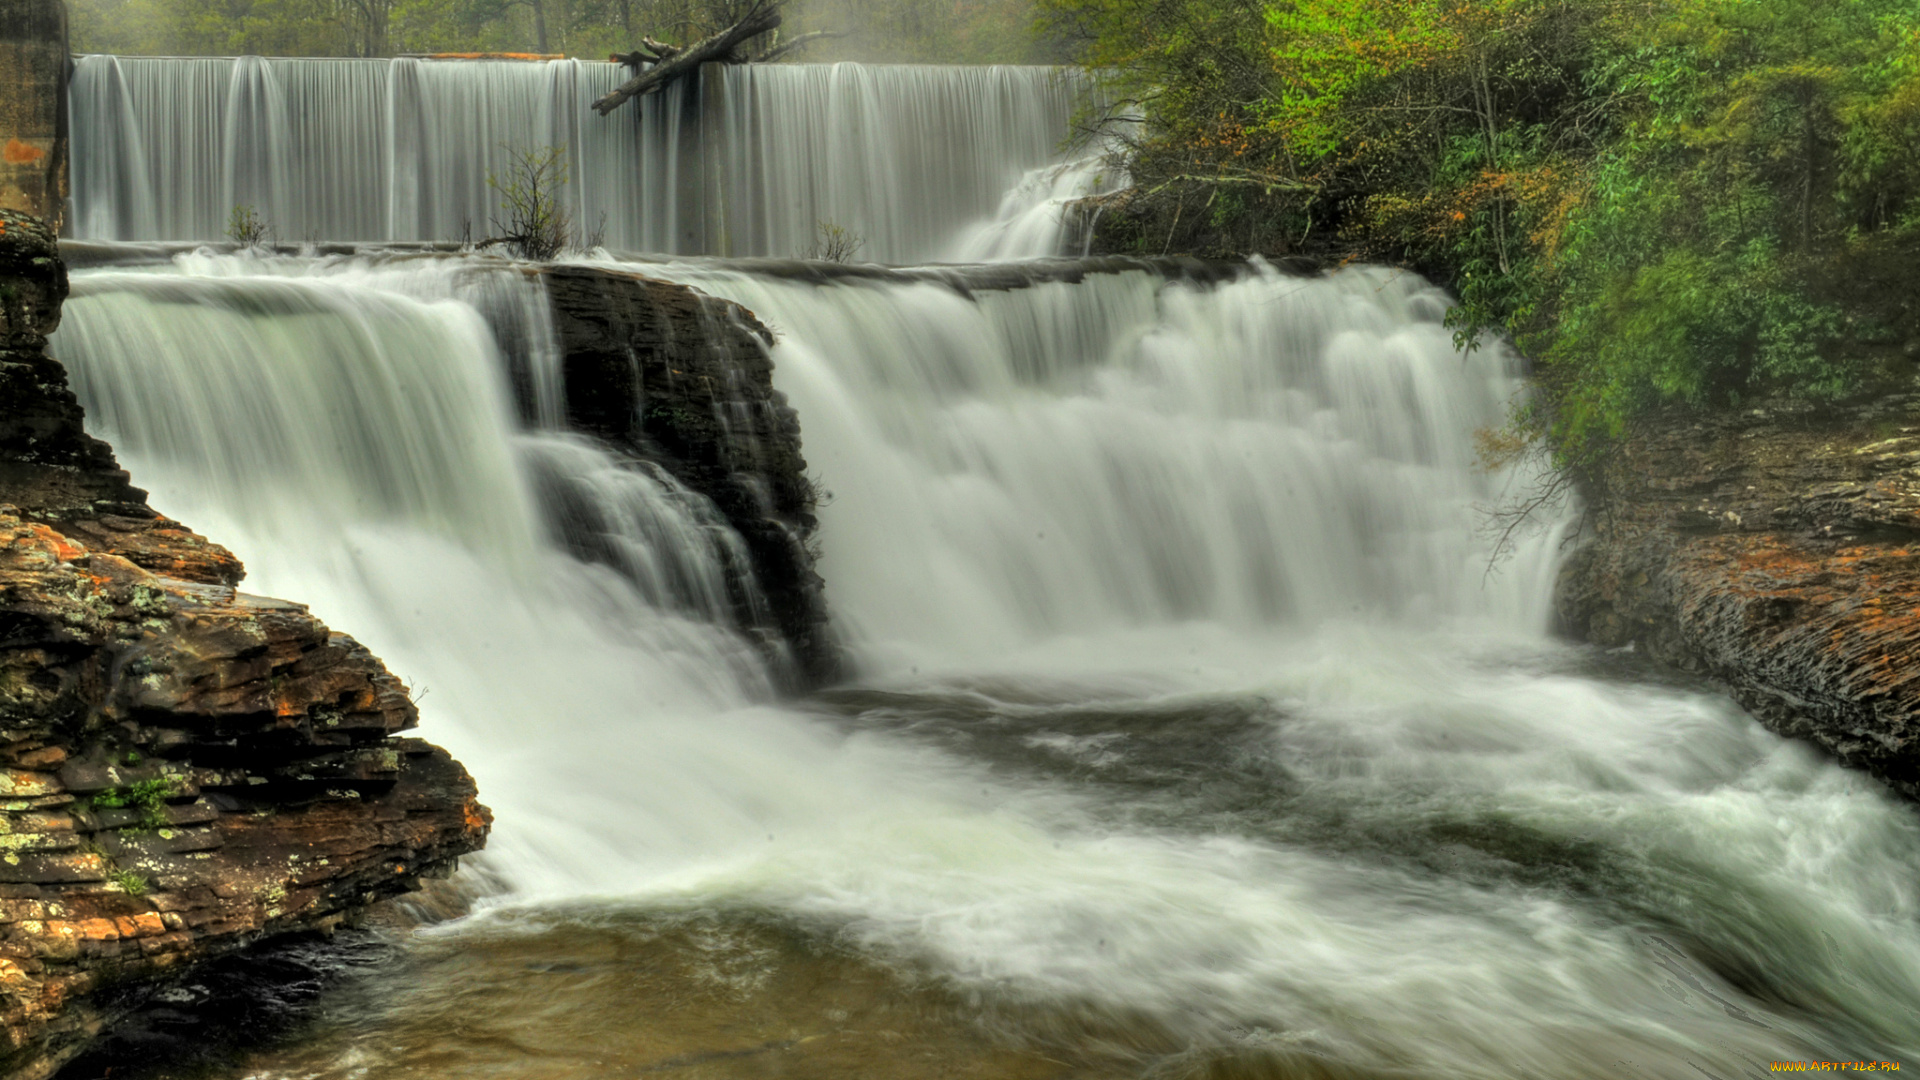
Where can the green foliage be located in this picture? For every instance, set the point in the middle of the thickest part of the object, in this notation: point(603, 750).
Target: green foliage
point(1716, 252)
point(131, 883)
point(148, 796)
point(1328, 53)
point(233, 27)
point(246, 227)
point(1667, 202)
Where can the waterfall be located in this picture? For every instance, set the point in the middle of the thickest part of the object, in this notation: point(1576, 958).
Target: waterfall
point(752, 161)
point(1190, 727)
point(1125, 451)
point(336, 408)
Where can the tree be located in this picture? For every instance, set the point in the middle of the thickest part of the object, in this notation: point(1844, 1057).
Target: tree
point(537, 224)
point(1664, 201)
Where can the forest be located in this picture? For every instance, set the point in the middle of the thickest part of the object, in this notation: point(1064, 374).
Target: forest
point(1663, 202)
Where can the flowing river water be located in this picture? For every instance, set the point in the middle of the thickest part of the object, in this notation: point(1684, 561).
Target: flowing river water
point(1189, 733)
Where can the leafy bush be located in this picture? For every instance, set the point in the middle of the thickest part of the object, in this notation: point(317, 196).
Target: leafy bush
point(246, 227)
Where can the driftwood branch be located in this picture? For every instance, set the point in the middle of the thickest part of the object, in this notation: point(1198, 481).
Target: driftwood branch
point(681, 62)
point(786, 47)
point(1265, 180)
point(649, 52)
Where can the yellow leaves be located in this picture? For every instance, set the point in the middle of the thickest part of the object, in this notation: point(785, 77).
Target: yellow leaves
point(1554, 222)
point(1494, 449)
point(1542, 200)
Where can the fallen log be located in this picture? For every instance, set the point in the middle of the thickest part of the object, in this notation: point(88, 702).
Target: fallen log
point(681, 62)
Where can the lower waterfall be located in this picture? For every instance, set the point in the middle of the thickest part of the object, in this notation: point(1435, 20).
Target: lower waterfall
point(1191, 735)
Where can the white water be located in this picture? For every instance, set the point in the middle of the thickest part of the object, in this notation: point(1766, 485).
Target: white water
point(1075, 458)
point(1072, 522)
point(1032, 219)
point(751, 162)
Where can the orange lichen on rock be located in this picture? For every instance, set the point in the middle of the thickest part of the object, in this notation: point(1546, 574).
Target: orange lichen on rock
point(19, 153)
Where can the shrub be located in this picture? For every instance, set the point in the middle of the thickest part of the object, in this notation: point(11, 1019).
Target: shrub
point(246, 227)
point(537, 222)
point(835, 243)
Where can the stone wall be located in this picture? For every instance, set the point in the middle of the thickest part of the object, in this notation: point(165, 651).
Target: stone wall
point(185, 769)
point(33, 107)
point(1777, 550)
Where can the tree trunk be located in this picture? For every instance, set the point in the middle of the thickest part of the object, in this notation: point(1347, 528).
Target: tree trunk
point(760, 19)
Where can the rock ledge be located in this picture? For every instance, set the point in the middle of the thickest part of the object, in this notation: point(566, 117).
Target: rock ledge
point(184, 769)
point(1777, 550)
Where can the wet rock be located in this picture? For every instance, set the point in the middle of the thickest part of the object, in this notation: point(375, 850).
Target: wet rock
point(1779, 551)
point(185, 769)
point(685, 380)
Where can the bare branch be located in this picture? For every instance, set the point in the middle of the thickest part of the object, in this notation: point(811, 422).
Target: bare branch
point(786, 47)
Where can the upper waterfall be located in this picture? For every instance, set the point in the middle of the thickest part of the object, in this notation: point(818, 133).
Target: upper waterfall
point(913, 160)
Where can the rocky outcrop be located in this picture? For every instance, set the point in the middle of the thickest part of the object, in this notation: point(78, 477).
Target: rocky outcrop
point(685, 380)
point(185, 769)
point(33, 107)
point(1777, 550)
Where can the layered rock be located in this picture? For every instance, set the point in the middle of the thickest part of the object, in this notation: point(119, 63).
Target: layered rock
point(184, 769)
point(33, 107)
point(1777, 550)
point(685, 380)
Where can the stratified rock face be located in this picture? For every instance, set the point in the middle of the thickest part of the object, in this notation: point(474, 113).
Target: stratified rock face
point(33, 107)
point(1779, 551)
point(184, 768)
point(685, 380)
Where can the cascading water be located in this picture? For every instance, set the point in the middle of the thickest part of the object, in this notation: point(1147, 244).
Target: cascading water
point(1075, 457)
point(1034, 218)
point(751, 162)
point(1192, 737)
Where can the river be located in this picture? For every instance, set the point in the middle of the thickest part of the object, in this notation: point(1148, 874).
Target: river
point(1193, 731)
